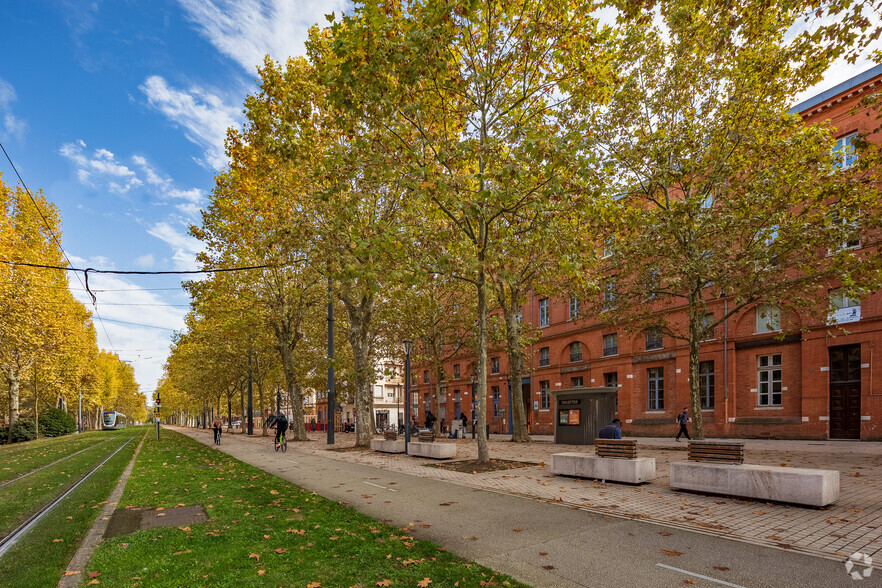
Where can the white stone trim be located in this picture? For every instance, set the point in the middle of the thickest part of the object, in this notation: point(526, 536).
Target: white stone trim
point(823, 418)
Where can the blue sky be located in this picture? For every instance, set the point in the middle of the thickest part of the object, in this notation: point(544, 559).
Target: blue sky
point(117, 110)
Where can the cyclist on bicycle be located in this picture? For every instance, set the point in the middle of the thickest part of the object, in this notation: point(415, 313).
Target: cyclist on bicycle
point(280, 424)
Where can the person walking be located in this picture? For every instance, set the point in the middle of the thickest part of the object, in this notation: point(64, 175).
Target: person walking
point(611, 431)
point(217, 425)
point(682, 419)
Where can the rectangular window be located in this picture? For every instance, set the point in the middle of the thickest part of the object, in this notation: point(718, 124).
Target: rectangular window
point(845, 309)
point(456, 371)
point(544, 357)
point(610, 344)
point(769, 380)
point(496, 413)
point(425, 376)
point(544, 394)
point(846, 223)
point(543, 312)
point(576, 382)
point(609, 294)
point(706, 384)
point(574, 307)
point(575, 351)
point(653, 339)
point(427, 403)
point(706, 322)
point(611, 379)
point(768, 318)
point(655, 378)
point(494, 365)
point(844, 154)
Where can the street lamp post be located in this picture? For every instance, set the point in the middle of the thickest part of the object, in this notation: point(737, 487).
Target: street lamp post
point(408, 345)
point(398, 415)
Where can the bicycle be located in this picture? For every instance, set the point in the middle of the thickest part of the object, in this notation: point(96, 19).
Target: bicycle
point(282, 444)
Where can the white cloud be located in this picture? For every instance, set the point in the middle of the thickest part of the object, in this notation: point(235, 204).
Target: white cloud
point(123, 306)
point(247, 30)
point(145, 261)
point(202, 114)
point(12, 125)
point(100, 168)
point(185, 247)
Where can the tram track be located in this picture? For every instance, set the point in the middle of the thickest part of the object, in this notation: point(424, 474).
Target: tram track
point(34, 471)
point(10, 539)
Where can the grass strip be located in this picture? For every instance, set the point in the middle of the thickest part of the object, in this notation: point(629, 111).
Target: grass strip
point(263, 531)
point(21, 458)
point(40, 558)
point(21, 498)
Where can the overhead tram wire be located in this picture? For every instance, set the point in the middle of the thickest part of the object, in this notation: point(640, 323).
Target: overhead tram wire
point(57, 242)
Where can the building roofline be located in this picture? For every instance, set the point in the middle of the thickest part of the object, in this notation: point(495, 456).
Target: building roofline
point(826, 95)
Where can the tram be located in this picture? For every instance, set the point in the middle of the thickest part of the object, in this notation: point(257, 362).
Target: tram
point(113, 421)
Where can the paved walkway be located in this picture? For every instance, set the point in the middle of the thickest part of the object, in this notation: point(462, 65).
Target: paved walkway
point(853, 524)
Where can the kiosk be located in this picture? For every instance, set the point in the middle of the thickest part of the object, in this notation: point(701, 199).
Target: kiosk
point(580, 413)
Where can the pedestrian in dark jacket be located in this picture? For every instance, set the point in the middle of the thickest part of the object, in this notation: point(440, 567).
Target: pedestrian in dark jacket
point(682, 419)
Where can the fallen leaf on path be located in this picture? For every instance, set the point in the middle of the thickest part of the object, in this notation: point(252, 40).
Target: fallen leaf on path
point(721, 568)
point(547, 567)
point(543, 553)
point(516, 530)
point(665, 534)
point(72, 573)
point(690, 582)
point(671, 552)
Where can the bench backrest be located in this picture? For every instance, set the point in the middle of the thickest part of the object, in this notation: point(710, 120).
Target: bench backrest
point(390, 435)
point(717, 451)
point(620, 448)
point(426, 436)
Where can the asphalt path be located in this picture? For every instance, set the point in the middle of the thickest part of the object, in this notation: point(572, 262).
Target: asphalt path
point(539, 543)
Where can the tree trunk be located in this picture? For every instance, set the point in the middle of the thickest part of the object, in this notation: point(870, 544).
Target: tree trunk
point(14, 383)
point(696, 333)
point(243, 424)
point(515, 362)
point(360, 317)
point(483, 451)
point(436, 400)
point(295, 401)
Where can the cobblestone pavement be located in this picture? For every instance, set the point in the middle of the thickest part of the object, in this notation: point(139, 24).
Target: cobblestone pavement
point(853, 524)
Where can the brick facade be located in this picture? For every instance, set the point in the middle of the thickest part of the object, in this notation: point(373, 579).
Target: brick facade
point(807, 388)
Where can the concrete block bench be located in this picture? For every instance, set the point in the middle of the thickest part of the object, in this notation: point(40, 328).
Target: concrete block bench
point(431, 450)
point(716, 467)
point(795, 485)
point(615, 460)
point(388, 445)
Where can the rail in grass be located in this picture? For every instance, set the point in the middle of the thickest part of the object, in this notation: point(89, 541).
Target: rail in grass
point(114, 421)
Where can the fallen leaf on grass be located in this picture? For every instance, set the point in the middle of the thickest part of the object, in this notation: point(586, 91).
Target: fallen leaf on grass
point(261, 572)
point(266, 536)
point(94, 582)
point(94, 574)
point(672, 553)
point(386, 582)
point(254, 556)
point(422, 583)
point(274, 491)
point(333, 538)
point(280, 550)
point(313, 585)
point(57, 540)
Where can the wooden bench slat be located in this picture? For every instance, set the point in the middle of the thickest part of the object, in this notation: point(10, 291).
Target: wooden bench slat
point(616, 448)
point(716, 451)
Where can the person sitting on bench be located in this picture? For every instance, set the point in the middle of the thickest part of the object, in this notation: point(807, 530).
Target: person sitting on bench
point(611, 431)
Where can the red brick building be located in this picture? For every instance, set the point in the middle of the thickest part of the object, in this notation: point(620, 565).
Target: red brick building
point(806, 385)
